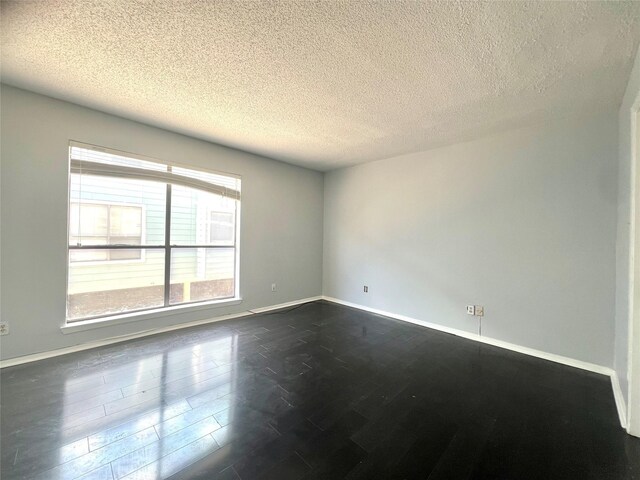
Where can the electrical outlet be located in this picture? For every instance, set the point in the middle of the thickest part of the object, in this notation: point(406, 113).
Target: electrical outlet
point(366, 289)
point(471, 309)
point(479, 309)
point(4, 328)
point(274, 287)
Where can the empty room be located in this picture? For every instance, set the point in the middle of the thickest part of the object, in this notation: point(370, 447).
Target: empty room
point(302, 240)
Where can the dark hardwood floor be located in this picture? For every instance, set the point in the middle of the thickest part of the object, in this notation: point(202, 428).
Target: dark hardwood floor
point(319, 391)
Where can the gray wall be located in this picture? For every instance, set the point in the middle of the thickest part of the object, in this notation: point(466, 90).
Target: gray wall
point(523, 222)
point(623, 240)
point(281, 232)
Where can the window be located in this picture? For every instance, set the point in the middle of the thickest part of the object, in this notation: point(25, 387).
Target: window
point(144, 235)
point(105, 224)
point(221, 227)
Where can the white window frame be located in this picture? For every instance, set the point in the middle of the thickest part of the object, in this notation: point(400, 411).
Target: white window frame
point(167, 179)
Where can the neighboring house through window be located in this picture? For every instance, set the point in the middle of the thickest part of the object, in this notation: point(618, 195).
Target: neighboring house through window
point(105, 224)
point(221, 227)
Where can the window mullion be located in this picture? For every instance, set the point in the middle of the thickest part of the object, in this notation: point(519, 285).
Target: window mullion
point(167, 248)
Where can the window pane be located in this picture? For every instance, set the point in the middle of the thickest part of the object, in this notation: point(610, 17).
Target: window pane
point(128, 254)
point(125, 221)
point(116, 208)
point(199, 274)
point(201, 218)
point(89, 220)
point(115, 287)
point(221, 228)
point(88, 255)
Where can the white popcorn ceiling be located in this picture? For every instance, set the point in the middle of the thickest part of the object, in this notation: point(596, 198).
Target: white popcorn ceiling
point(324, 84)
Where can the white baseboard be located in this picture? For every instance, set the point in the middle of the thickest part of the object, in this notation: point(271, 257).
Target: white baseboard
point(284, 305)
point(154, 331)
point(619, 398)
point(490, 341)
point(591, 367)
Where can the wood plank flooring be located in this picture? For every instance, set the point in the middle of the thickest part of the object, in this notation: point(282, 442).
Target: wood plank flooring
point(319, 391)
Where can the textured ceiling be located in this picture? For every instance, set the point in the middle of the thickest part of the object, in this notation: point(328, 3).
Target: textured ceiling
point(324, 84)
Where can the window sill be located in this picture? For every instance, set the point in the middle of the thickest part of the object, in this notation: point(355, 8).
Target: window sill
point(147, 314)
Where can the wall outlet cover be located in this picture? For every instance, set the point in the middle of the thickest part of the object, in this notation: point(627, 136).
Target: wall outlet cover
point(479, 311)
point(4, 328)
point(471, 309)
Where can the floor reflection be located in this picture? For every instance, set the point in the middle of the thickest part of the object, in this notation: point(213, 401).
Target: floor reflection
point(156, 414)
